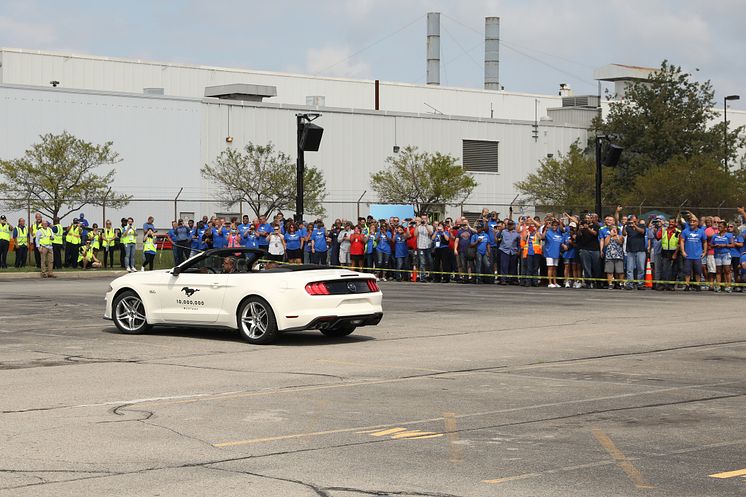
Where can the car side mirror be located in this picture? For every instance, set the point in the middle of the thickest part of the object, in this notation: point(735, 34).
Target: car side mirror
point(175, 271)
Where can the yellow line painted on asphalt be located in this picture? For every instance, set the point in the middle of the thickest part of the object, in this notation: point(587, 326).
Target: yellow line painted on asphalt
point(729, 474)
point(387, 432)
point(416, 434)
point(455, 450)
point(632, 472)
point(417, 421)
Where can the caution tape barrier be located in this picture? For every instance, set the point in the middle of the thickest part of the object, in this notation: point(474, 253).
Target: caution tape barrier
point(507, 276)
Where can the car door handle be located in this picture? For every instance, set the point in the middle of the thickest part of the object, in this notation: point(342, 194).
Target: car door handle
point(216, 284)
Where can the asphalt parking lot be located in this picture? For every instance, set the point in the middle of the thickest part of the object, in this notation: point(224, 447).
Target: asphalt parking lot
point(460, 391)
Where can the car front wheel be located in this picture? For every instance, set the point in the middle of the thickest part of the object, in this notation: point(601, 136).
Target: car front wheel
point(129, 313)
point(256, 321)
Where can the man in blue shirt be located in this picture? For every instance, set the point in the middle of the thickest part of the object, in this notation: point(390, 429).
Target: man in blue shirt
point(481, 242)
point(183, 240)
point(249, 238)
point(196, 235)
point(263, 231)
point(319, 246)
point(219, 235)
point(149, 225)
point(510, 241)
point(692, 245)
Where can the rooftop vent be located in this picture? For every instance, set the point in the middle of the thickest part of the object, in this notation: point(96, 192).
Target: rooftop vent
point(590, 101)
point(241, 91)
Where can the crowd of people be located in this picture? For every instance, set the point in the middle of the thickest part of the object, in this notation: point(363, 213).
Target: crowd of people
point(684, 251)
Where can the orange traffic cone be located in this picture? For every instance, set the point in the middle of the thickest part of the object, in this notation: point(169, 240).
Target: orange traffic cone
point(414, 274)
point(648, 276)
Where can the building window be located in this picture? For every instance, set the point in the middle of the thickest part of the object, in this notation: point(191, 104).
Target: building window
point(480, 156)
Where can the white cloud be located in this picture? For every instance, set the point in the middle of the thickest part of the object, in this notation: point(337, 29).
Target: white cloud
point(335, 61)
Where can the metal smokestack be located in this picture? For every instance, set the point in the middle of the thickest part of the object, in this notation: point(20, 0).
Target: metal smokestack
point(491, 53)
point(433, 48)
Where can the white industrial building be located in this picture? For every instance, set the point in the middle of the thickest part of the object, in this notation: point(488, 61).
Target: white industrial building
point(165, 128)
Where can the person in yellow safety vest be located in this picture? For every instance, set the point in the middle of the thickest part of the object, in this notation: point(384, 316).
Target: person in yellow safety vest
point(44, 243)
point(36, 226)
point(108, 242)
point(531, 253)
point(87, 256)
point(5, 232)
point(129, 242)
point(20, 234)
point(670, 260)
point(58, 241)
point(72, 244)
point(149, 251)
point(95, 237)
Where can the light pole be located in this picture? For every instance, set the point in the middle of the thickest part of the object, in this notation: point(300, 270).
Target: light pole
point(613, 153)
point(308, 139)
point(725, 121)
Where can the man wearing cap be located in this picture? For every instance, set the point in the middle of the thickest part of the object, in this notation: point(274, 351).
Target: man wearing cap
point(20, 234)
point(5, 233)
point(44, 243)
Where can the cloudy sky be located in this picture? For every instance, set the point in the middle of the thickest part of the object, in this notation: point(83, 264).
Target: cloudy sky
point(543, 43)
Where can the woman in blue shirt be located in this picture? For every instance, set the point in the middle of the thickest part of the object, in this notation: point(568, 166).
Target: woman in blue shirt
point(722, 242)
point(294, 244)
point(383, 250)
point(553, 238)
point(570, 257)
point(735, 256)
point(370, 246)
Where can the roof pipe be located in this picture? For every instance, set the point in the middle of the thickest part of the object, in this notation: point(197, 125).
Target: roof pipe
point(433, 48)
point(492, 53)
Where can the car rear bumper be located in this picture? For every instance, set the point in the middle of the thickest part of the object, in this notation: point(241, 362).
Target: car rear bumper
point(326, 322)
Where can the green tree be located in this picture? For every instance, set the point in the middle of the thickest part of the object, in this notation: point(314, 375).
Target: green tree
point(422, 179)
point(264, 178)
point(668, 116)
point(566, 182)
point(59, 176)
point(699, 180)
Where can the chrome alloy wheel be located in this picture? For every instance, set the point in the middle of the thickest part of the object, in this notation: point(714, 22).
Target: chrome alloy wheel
point(130, 313)
point(254, 320)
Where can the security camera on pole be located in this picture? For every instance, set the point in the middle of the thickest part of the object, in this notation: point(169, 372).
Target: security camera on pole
point(309, 139)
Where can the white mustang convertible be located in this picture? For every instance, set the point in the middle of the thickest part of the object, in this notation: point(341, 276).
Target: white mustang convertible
point(233, 288)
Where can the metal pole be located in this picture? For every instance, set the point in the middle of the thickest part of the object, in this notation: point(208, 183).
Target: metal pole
point(299, 170)
point(598, 176)
point(378, 95)
point(175, 203)
point(725, 131)
point(358, 203)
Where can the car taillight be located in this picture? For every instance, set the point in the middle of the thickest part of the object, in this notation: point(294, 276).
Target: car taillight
point(318, 288)
point(373, 286)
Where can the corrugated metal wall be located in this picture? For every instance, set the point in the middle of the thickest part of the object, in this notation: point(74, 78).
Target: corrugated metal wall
point(104, 74)
point(164, 141)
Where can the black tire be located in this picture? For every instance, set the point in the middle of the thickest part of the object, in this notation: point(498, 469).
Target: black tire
point(128, 313)
point(339, 331)
point(256, 321)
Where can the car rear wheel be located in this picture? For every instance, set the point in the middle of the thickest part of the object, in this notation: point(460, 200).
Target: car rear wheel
point(257, 322)
point(339, 331)
point(129, 313)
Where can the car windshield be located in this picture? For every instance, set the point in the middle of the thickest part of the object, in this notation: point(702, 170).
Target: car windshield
point(222, 262)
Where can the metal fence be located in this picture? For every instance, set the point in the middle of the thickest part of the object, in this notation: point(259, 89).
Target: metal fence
point(165, 210)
